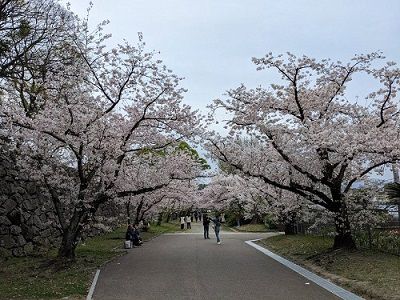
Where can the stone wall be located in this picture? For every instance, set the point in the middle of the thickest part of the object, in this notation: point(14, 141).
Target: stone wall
point(27, 223)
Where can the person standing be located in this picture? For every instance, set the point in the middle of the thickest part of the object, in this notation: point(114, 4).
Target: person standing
point(206, 225)
point(182, 222)
point(188, 222)
point(217, 228)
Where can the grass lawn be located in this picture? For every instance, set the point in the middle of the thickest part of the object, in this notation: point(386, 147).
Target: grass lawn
point(47, 278)
point(372, 275)
point(253, 228)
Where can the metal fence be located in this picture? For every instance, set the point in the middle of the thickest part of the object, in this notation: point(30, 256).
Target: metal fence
point(385, 237)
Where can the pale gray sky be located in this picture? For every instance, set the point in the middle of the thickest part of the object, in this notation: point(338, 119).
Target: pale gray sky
point(211, 42)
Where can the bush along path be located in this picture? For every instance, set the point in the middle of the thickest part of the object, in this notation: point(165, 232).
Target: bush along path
point(46, 277)
point(370, 274)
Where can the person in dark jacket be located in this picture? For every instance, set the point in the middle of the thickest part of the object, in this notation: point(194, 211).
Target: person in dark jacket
point(206, 225)
point(129, 233)
point(132, 236)
point(137, 233)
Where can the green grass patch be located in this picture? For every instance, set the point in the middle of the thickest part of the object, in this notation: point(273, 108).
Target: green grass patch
point(155, 230)
point(252, 228)
point(48, 278)
point(371, 274)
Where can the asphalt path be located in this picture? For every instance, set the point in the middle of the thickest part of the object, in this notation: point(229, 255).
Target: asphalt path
point(186, 266)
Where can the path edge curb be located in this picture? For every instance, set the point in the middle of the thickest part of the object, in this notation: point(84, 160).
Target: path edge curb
point(93, 286)
point(326, 284)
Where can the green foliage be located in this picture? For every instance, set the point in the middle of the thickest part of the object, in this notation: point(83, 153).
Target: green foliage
point(24, 29)
point(393, 192)
point(182, 146)
point(381, 240)
point(185, 147)
point(270, 223)
point(147, 151)
point(226, 168)
point(230, 219)
point(4, 47)
point(202, 186)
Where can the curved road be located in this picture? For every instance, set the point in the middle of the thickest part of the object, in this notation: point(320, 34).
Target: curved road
point(185, 266)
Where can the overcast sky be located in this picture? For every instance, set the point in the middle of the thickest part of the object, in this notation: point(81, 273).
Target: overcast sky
point(211, 42)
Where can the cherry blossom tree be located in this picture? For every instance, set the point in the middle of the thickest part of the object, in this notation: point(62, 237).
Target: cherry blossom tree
point(244, 197)
point(32, 34)
point(95, 114)
point(174, 172)
point(307, 136)
point(252, 199)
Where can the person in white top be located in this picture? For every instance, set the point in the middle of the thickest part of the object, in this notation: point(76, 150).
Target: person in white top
point(182, 223)
point(188, 222)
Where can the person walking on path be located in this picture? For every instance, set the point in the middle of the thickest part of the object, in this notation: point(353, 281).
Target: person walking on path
point(188, 222)
point(206, 225)
point(217, 228)
point(182, 223)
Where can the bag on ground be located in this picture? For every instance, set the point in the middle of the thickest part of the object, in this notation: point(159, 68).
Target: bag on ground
point(128, 245)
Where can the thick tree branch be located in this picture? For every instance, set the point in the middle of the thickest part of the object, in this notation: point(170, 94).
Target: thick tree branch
point(142, 190)
point(292, 187)
point(365, 172)
point(387, 98)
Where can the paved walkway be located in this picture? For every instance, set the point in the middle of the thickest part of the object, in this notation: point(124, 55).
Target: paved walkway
point(185, 266)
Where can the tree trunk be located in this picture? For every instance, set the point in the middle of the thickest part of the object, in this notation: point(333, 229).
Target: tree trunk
point(395, 172)
point(68, 246)
point(398, 211)
point(72, 232)
point(290, 228)
point(396, 179)
point(159, 219)
point(138, 211)
point(168, 217)
point(290, 223)
point(256, 219)
point(343, 238)
point(128, 211)
point(71, 235)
